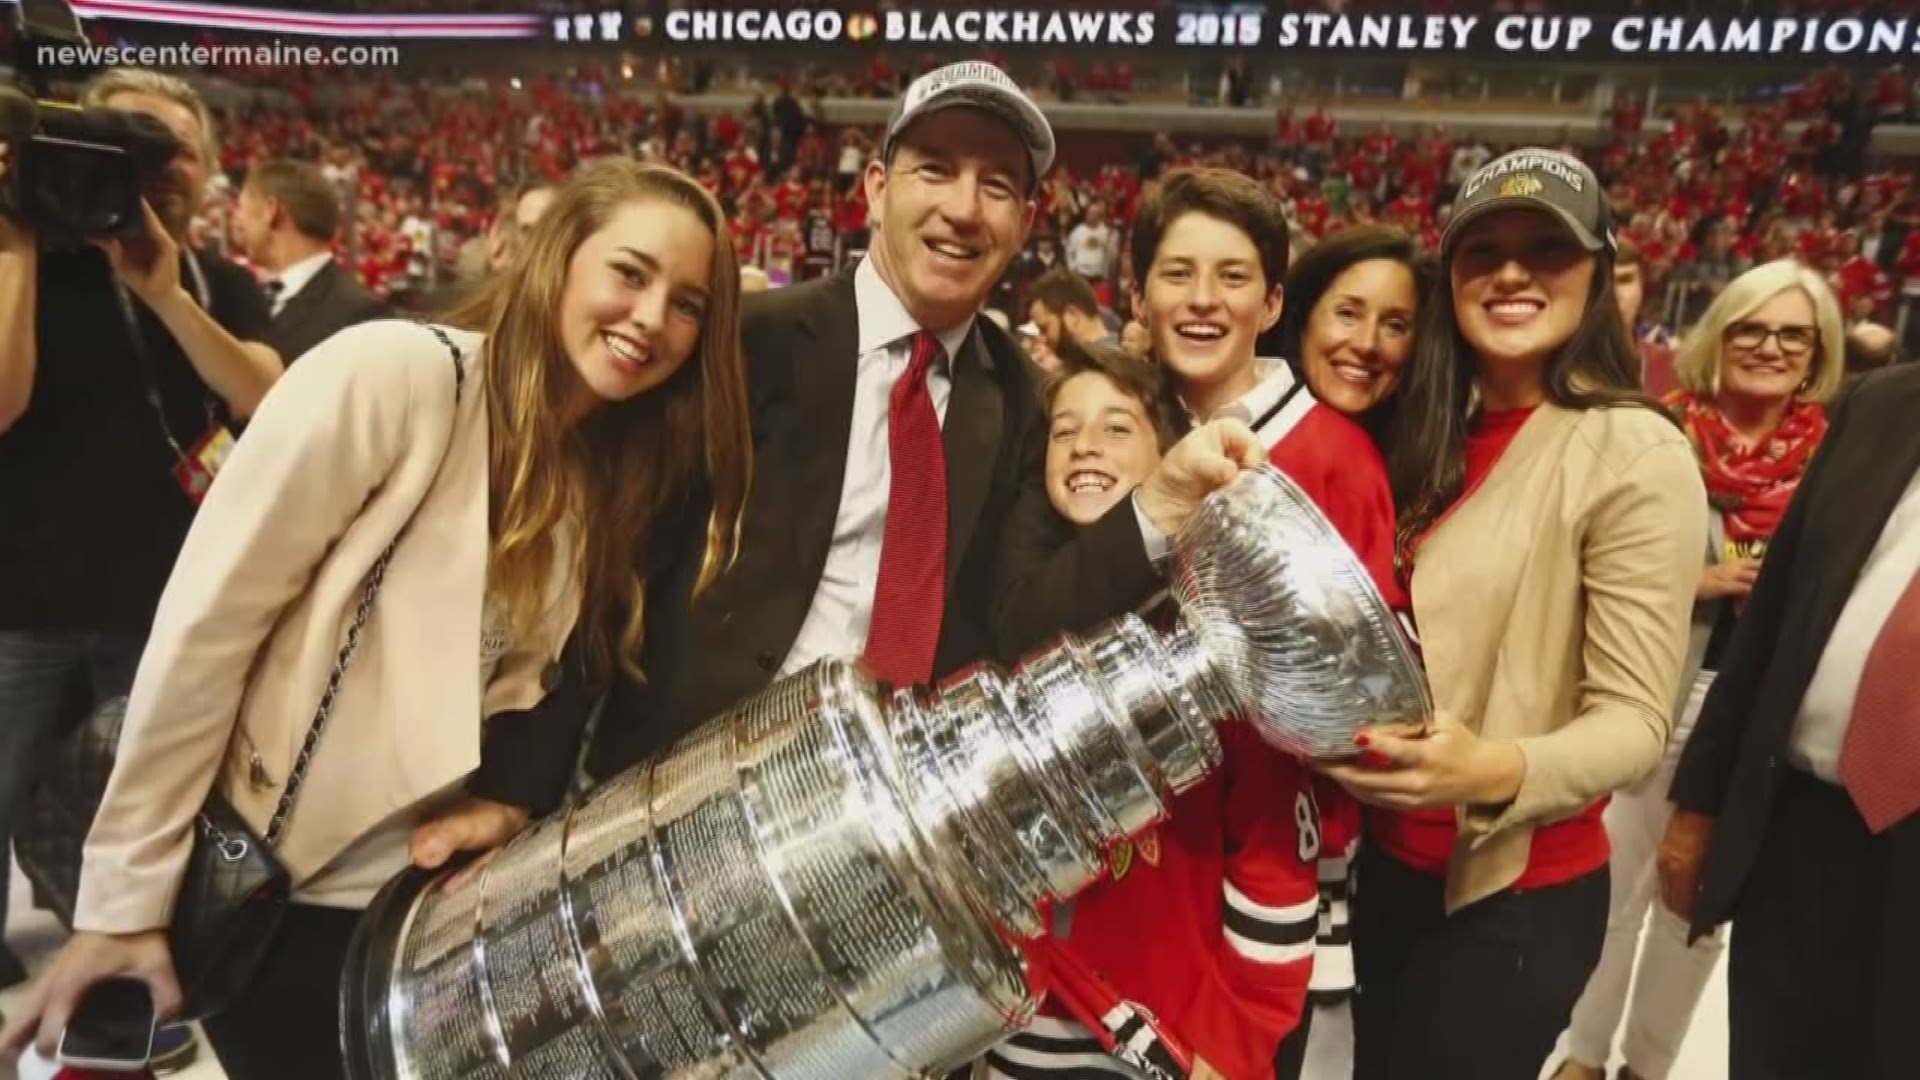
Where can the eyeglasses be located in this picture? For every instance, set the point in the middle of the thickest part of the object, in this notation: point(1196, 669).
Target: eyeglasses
point(1794, 340)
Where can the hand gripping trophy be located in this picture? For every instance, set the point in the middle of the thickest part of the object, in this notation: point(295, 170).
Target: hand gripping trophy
point(828, 882)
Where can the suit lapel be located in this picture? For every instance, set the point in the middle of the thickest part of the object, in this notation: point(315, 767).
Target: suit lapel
point(976, 415)
point(1895, 455)
point(823, 362)
point(1879, 460)
point(830, 367)
point(803, 418)
point(300, 307)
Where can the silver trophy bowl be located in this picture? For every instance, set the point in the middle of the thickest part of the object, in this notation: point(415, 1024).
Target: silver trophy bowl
point(830, 880)
point(1293, 622)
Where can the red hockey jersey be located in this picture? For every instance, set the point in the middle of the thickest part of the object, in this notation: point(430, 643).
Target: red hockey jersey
point(1209, 920)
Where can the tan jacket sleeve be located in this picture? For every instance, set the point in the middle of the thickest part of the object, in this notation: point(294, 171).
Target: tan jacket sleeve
point(325, 439)
point(1640, 564)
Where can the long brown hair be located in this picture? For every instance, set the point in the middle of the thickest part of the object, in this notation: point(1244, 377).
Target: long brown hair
point(1596, 368)
point(616, 473)
point(1315, 271)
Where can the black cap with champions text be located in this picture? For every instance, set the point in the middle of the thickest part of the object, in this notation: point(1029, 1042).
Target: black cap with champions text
point(1539, 179)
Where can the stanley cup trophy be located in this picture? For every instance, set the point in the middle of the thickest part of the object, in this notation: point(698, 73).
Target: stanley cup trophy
point(829, 881)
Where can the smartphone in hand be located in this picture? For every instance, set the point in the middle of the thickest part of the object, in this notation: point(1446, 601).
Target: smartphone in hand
point(111, 1029)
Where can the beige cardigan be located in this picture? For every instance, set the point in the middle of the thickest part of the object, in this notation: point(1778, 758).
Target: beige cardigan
point(1553, 609)
point(360, 438)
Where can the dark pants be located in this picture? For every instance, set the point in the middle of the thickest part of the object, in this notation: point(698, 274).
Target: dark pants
point(1806, 951)
point(1290, 1063)
point(1480, 995)
point(287, 1026)
point(50, 680)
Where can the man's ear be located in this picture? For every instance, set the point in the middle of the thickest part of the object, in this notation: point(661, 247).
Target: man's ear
point(1276, 303)
point(875, 182)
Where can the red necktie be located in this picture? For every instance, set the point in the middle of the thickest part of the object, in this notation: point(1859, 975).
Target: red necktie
point(910, 595)
point(1880, 759)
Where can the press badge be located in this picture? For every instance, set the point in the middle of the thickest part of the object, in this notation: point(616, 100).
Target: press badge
point(195, 471)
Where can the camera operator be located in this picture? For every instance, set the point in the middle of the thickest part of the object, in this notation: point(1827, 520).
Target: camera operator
point(125, 366)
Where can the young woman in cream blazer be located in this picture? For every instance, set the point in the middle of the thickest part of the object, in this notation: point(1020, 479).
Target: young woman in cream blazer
point(1550, 533)
point(601, 382)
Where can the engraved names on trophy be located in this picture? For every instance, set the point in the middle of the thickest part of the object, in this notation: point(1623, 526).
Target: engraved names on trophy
point(828, 881)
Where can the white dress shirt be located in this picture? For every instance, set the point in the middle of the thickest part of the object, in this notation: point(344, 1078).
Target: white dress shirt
point(296, 277)
point(842, 611)
point(1260, 409)
point(1252, 409)
point(1827, 709)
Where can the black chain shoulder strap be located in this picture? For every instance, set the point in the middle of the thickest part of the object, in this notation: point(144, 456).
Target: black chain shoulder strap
point(378, 574)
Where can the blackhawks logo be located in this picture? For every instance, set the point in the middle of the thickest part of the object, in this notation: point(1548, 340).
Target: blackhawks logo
point(1520, 184)
point(1120, 857)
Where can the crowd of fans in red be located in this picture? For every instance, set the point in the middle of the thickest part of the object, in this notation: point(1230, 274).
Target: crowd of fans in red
point(1708, 201)
point(427, 167)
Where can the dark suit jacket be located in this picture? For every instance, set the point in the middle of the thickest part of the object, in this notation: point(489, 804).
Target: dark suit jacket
point(1733, 764)
point(1891, 240)
point(329, 303)
point(1016, 574)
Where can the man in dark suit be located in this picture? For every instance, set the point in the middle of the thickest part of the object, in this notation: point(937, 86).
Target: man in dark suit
point(284, 224)
point(1882, 240)
point(898, 508)
point(1796, 796)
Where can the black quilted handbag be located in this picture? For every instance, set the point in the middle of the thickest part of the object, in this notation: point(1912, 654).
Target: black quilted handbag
point(234, 889)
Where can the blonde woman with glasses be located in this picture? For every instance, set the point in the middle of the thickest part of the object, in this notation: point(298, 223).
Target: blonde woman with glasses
point(1755, 376)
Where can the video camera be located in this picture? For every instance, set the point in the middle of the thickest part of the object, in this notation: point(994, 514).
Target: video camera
point(73, 174)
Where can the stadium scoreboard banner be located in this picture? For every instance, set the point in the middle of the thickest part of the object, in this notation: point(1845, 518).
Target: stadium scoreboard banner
point(1263, 31)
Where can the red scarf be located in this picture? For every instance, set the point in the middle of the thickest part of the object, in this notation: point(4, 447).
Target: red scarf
point(1750, 485)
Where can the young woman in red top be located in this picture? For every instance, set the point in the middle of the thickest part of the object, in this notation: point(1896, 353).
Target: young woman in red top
point(1553, 616)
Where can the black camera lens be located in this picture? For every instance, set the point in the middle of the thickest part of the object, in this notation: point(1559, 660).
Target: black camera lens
point(82, 191)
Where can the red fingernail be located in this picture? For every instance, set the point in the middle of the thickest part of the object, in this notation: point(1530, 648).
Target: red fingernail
point(1362, 740)
point(1376, 761)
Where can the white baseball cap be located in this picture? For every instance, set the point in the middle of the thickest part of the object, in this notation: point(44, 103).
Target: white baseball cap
point(982, 86)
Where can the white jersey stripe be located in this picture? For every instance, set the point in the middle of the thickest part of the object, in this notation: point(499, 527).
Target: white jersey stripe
point(1307, 910)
